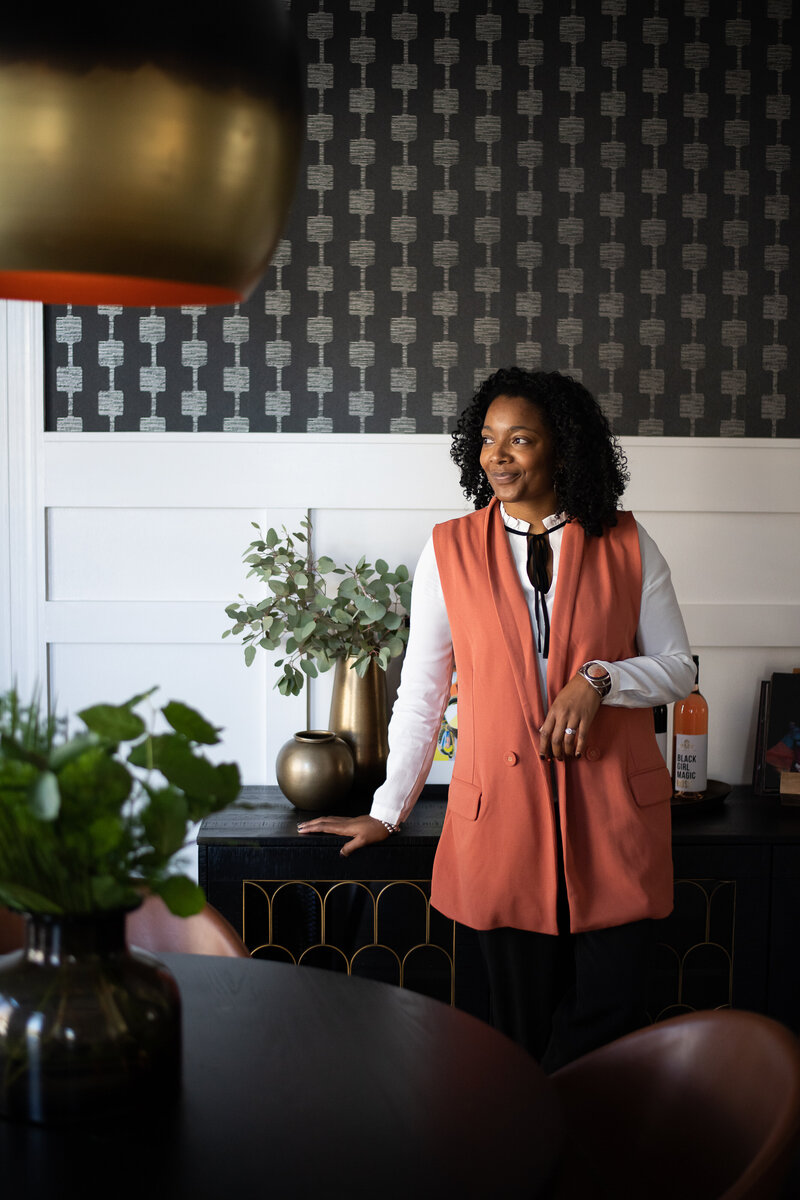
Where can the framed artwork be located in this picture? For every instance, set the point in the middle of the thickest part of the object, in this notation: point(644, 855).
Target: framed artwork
point(442, 766)
point(776, 770)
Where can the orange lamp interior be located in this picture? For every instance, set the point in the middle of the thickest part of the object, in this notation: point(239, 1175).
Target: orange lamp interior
point(65, 287)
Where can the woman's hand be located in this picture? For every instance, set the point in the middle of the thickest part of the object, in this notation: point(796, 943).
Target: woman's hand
point(563, 734)
point(362, 831)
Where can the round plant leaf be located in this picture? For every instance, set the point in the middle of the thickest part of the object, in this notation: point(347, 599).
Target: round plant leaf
point(45, 796)
point(115, 722)
point(190, 723)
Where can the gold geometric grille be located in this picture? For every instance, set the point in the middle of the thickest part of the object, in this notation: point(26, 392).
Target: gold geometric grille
point(692, 966)
point(384, 930)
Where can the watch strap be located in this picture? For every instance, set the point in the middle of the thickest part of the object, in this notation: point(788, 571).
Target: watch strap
point(601, 682)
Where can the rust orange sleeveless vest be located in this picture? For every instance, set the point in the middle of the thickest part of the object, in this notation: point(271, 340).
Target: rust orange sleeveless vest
point(497, 856)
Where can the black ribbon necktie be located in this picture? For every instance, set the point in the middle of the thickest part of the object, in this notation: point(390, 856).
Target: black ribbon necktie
point(538, 552)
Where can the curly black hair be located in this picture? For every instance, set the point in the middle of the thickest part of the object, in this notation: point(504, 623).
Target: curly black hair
point(591, 469)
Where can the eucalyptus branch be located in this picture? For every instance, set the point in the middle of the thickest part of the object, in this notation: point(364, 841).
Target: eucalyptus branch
point(313, 618)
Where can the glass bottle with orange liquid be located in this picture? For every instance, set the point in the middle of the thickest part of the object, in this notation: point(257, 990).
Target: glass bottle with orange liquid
point(690, 743)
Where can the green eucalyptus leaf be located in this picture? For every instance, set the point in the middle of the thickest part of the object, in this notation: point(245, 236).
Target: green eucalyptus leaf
point(249, 655)
point(325, 565)
point(395, 646)
point(381, 566)
point(190, 723)
point(272, 538)
point(348, 587)
point(361, 665)
point(309, 667)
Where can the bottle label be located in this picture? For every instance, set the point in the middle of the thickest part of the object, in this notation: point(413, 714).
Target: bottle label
point(691, 757)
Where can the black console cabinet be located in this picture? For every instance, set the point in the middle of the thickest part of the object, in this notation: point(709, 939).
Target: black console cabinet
point(729, 941)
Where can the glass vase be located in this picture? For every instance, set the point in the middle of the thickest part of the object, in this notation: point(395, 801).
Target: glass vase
point(88, 1028)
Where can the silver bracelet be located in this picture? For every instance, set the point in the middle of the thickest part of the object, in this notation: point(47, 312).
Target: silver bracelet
point(392, 828)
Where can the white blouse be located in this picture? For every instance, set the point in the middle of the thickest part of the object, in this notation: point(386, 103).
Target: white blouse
point(663, 671)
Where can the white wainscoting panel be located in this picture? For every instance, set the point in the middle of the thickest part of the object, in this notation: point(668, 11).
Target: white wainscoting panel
point(124, 554)
point(145, 578)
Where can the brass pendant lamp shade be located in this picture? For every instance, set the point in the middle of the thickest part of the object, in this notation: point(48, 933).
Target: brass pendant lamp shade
point(147, 156)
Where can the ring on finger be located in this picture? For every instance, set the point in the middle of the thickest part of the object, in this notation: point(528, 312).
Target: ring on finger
point(570, 732)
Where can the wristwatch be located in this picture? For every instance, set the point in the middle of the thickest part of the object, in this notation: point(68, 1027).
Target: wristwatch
point(596, 674)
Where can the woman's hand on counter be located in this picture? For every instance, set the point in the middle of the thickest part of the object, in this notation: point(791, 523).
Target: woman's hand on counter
point(361, 831)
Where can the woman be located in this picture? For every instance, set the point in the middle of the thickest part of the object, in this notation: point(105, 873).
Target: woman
point(565, 629)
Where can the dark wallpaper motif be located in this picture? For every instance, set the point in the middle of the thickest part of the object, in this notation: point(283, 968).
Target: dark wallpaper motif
point(595, 186)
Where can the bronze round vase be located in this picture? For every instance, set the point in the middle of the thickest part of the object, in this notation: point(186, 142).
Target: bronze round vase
point(315, 770)
point(88, 1028)
point(359, 715)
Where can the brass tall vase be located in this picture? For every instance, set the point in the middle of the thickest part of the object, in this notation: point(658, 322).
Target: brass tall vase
point(359, 715)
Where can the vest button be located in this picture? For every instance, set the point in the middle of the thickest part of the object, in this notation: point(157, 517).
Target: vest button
point(511, 758)
point(593, 754)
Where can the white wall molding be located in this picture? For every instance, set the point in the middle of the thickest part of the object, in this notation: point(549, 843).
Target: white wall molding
point(145, 534)
point(24, 660)
point(410, 472)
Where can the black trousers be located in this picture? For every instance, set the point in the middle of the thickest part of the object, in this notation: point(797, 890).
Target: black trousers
point(562, 996)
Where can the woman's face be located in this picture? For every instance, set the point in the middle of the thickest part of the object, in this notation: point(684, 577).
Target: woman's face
point(518, 457)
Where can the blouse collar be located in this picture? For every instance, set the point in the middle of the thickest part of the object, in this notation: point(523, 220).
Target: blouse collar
point(524, 526)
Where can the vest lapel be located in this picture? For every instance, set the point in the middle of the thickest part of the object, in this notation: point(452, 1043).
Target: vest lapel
point(514, 617)
point(559, 667)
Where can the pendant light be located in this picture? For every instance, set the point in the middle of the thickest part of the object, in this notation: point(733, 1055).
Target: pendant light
point(148, 155)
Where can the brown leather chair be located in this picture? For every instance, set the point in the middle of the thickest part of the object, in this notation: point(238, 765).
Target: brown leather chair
point(12, 930)
point(153, 927)
point(705, 1106)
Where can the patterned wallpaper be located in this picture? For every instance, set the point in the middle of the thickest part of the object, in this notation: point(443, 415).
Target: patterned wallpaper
point(594, 186)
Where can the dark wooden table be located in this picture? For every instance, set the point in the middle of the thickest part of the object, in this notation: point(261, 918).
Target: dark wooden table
point(305, 1083)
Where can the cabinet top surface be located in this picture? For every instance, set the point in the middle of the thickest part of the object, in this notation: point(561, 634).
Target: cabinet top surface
point(263, 815)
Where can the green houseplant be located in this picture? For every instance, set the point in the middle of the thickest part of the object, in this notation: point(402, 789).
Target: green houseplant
point(317, 619)
point(88, 822)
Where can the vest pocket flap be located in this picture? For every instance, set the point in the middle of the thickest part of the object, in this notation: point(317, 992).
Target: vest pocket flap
point(464, 798)
point(651, 787)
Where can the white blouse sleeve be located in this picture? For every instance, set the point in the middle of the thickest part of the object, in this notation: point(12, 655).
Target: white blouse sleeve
point(421, 697)
point(663, 671)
